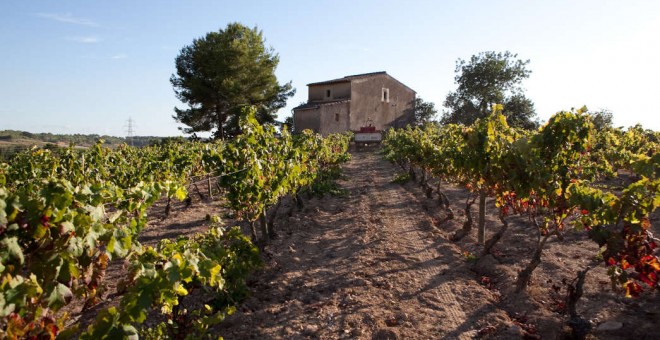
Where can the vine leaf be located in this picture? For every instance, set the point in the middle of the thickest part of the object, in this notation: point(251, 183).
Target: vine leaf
point(12, 250)
point(59, 297)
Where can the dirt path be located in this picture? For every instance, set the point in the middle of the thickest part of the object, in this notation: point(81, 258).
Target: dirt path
point(367, 265)
point(376, 263)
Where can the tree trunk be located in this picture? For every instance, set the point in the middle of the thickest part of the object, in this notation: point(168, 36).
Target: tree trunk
point(579, 326)
point(488, 246)
point(441, 196)
point(271, 219)
point(411, 172)
point(168, 207)
point(221, 124)
point(467, 226)
point(299, 202)
point(208, 183)
point(264, 227)
point(526, 274)
point(199, 193)
point(443, 201)
point(428, 191)
point(481, 232)
point(253, 230)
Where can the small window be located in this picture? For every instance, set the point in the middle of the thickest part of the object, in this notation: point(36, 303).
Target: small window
point(386, 95)
point(327, 93)
point(336, 117)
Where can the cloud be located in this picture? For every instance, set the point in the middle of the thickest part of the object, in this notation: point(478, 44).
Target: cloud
point(68, 18)
point(84, 40)
point(120, 56)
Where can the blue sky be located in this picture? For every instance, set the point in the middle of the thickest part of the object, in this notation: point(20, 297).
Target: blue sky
point(87, 66)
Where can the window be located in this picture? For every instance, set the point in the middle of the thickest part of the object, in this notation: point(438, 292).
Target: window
point(386, 95)
point(327, 93)
point(336, 117)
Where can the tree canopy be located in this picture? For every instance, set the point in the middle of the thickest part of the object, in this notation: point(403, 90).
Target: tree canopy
point(424, 112)
point(601, 119)
point(288, 122)
point(222, 72)
point(490, 78)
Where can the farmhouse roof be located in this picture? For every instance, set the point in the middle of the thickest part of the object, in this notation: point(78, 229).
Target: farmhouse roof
point(316, 104)
point(348, 78)
point(358, 76)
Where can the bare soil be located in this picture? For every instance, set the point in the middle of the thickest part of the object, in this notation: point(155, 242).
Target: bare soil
point(377, 263)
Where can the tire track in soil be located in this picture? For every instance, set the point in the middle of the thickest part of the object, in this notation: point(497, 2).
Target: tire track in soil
point(369, 265)
point(405, 233)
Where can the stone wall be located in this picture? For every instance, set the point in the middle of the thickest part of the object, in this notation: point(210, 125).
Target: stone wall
point(378, 100)
point(368, 104)
point(337, 91)
point(325, 119)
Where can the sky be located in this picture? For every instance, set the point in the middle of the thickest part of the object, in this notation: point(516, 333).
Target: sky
point(88, 66)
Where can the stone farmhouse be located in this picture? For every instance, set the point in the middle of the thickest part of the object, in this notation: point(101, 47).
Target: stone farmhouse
point(349, 103)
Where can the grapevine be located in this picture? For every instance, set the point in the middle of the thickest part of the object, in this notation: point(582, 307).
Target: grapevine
point(66, 213)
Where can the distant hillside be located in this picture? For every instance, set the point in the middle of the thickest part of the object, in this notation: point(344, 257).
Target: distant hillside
point(12, 141)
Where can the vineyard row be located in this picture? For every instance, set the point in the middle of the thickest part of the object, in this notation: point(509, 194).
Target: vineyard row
point(548, 177)
point(65, 214)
